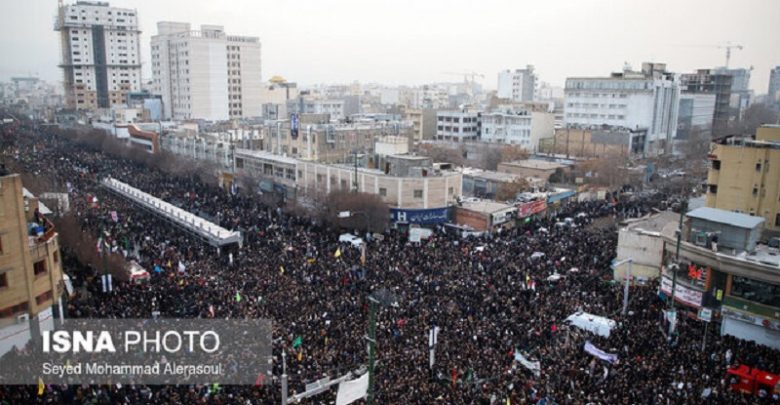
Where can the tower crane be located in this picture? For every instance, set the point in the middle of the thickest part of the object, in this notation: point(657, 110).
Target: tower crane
point(728, 47)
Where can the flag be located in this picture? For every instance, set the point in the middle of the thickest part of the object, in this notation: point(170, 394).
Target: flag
point(40, 386)
point(300, 356)
point(281, 269)
point(338, 253)
point(100, 245)
point(238, 296)
point(182, 267)
point(260, 379)
point(211, 310)
point(595, 351)
point(297, 342)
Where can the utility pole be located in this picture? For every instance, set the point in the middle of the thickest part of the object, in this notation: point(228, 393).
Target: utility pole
point(371, 343)
point(284, 378)
point(355, 183)
point(683, 208)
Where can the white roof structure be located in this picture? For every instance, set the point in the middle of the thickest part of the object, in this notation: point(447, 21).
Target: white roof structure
point(593, 323)
point(212, 233)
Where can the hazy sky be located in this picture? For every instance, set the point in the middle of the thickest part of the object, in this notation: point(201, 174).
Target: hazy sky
point(416, 41)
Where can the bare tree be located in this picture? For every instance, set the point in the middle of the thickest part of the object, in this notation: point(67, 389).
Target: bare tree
point(369, 211)
point(508, 191)
point(442, 153)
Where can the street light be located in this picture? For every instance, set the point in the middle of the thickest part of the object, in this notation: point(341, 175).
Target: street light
point(630, 261)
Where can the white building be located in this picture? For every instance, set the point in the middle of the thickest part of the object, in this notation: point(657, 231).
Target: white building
point(206, 74)
point(523, 128)
point(636, 100)
point(457, 126)
point(334, 107)
point(696, 114)
point(517, 85)
point(101, 56)
point(274, 97)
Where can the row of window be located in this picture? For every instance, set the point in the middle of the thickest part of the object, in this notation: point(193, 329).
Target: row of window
point(595, 105)
point(602, 116)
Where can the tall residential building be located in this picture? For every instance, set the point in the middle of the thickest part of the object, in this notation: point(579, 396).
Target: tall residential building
point(101, 54)
point(31, 281)
point(648, 99)
point(518, 84)
point(706, 81)
point(744, 176)
point(522, 127)
point(773, 95)
point(206, 74)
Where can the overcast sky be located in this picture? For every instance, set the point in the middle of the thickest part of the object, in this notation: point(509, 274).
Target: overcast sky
point(416, 41)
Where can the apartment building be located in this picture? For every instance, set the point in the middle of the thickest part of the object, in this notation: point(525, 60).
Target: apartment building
point(31, 281)
point(206, 74)
point(706, 81)
point(524, 128)
point(518, 84)
point(101, 54)
point(773, 94)
point(648, 99)
point(457, 126)
point(744, 176)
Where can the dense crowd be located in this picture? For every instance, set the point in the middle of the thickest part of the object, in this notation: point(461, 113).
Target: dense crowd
point(491, 296)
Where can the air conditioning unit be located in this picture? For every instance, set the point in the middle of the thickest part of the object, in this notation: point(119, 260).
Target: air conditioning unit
point(22, 318)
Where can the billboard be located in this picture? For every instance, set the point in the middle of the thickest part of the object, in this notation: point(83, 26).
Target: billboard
point(420, 216)
point(294, 126)
point(531, 208)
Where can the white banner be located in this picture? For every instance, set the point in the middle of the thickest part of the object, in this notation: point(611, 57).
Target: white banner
point(534, 366)
point(595, 351)
point(681, 293)
point(351, 391)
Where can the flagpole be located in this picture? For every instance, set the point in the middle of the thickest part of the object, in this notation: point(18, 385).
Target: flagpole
point(371, 343)
point(284, 378)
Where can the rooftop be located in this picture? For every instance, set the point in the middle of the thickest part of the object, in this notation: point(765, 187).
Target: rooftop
point(266, 155)
point(726, 217)
point(652, 224)
point(536, 164)
point(486, 206)
point(490, 175)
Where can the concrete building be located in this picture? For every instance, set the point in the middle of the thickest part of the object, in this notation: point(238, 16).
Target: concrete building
point(773, 94)
point(206, 74)
point(275, 95)
point(518, 84)
point(648, 99)
point(706, 81)
point(524, 128)
point(486, 183)
point(640, 240)
point(532, 168)
point(457, 126)
point(423, 123)
point(696, 115)
point(744, 176)
point(595, 143)
point(414, 189)
point(741, 95)
point(723, 268)
point(214, 147)
point(30, 266)
point(101, 54)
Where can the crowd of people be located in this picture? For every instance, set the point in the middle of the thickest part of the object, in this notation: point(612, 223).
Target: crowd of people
point(491, 297)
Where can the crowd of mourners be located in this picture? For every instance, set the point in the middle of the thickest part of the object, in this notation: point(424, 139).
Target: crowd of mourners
point(491, 296)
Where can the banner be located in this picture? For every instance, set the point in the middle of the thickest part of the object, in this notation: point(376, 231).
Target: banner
point(682, 293)
point(595, 351)
point(534, 366)
point(531, 208)
point(351, 391)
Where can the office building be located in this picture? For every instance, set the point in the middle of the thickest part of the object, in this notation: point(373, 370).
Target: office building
point(101, 54)
point(744, 176)
point(741, 95)
point(695, 116)
point(457, 126)
point(423, 123)
point(521, 127)
point(518, 84)
point(31, 278)
point(706, 81)
point(206, 74)
point(647, 100)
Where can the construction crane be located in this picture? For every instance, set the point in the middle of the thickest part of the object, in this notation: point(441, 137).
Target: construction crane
point(728, 48)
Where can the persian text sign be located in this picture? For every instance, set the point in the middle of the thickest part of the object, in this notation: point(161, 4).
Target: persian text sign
point(145, 351)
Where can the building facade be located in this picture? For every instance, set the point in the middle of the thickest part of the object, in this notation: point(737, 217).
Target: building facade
point(101, 54)
point(744, 176)
point(458, 126)
point(594, 143)
point(518, 84)
point(696, 115)
point(741, 95)
point(523, 128)
point(30, 265)
point(706, 81)
point(206, 74)
point(635, 100)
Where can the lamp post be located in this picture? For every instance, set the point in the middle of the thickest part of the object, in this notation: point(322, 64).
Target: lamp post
point(630, 261)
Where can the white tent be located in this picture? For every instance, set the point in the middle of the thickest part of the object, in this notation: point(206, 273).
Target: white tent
point(593, 323)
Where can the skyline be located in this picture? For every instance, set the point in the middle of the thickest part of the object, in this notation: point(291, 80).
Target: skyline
point(389, 42)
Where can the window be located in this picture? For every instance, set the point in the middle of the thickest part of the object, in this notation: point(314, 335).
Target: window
point(43, 297)
point(56, 257)
point(320, 178)
point(1, 245)
point(4, 277)
point(755, 191)
point(239, 163)
point(343, 184)
point(756, 291)
point(716, 165)
point(418, 193)
point(39, 268)
point(383, 193)
point(758, 167)
point(11, 311)
point(450, 191)
point(777, 220)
